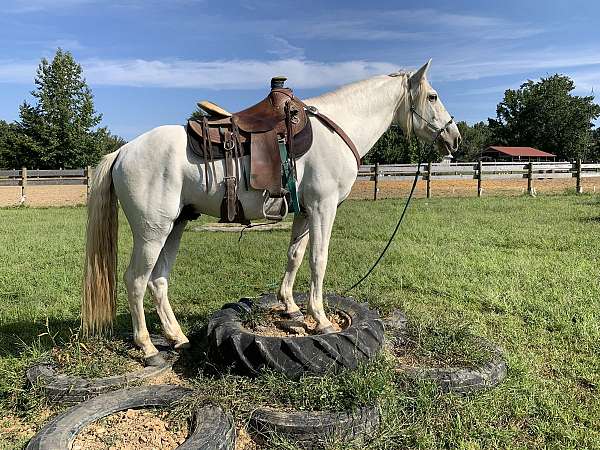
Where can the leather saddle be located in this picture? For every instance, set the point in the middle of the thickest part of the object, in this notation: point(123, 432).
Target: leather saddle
point(274, 132)
point(257, 130)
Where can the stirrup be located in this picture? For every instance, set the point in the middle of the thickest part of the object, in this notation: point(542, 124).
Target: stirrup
point(283, 212)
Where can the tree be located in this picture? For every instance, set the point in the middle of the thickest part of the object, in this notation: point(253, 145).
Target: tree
point(595, 153)
point(547, 116)
point(59, 128)
point(474, 139)
point(198, 114)
point(395, 148)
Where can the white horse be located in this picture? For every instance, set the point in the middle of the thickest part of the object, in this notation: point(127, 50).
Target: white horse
point(155, 176)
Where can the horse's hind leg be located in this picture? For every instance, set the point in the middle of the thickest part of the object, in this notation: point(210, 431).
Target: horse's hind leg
point(143, 259)
point(295, 255)
point(159, 284)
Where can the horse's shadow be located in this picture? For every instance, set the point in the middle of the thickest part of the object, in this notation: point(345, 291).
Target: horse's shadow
point(36, 337)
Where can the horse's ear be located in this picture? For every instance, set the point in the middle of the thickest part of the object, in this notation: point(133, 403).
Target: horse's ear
point(420, 74)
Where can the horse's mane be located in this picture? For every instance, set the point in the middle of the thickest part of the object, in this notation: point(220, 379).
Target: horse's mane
point(357, 86)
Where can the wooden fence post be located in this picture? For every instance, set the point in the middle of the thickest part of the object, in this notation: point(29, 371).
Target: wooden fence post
point(479, 176)
point(429, 179)
point(23, 185)
point(530, 190)
point(376, 188)
point(88, 178)
point(578, 186)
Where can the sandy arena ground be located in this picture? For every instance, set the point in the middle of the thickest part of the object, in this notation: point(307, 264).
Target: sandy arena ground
point(76, 195)
point(468, 188)
point(44, 195)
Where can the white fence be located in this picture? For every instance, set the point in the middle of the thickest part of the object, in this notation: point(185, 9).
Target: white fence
point(430, 172)
point(479, 171)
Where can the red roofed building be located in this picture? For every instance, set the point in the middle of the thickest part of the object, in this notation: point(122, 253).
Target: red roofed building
point(496, 153)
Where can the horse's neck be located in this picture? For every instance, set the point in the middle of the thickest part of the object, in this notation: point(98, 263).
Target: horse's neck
point(364, 110)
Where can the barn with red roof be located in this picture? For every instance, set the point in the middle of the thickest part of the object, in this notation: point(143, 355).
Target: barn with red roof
point(497, 153)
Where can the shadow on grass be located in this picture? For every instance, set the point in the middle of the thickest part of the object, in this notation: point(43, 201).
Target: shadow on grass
point(17, 337)
point(592, 219)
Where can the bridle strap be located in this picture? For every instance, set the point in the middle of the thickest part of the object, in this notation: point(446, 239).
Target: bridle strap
point(414, 112)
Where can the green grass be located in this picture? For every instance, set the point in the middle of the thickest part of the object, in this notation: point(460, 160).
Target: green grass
point(521, 272)
point(435, 344)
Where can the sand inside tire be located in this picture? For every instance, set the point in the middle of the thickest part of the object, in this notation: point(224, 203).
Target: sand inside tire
point(274, 323)
point(133, 429)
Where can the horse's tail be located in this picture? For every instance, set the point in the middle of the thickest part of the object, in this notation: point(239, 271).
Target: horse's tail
point(99, 300)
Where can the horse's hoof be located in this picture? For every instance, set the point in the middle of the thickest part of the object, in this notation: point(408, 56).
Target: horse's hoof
point(327, 330)
point(155, 360)
point(296, 315)
point(182, 345)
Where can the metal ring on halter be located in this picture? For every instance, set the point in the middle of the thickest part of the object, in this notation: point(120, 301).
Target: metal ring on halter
point(228, 145)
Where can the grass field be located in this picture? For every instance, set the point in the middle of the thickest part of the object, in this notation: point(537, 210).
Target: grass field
point(523, 272)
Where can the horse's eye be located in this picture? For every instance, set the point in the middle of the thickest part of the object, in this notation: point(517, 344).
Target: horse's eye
point(432, 97)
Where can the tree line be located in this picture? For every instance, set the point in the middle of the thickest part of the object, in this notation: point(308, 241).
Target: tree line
point(543, 114)
point(60, 129)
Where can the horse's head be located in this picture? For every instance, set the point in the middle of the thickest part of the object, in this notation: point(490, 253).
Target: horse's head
point(426, 115)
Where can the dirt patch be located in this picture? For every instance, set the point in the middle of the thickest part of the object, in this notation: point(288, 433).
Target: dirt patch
point(244, 440)
point(13, 428)
point(169, 377)
point(134, 429)
point(273, 323)
point(237, 228)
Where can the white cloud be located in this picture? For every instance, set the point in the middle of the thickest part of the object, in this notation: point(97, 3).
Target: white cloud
point(583, 66)
point(233, 74)
point(283, 49)
point(411, 24)
point(17, 72)
point(514, 62)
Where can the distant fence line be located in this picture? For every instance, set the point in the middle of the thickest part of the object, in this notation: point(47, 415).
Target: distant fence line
point(43, 177)
point(376, 173)
point(479, 171)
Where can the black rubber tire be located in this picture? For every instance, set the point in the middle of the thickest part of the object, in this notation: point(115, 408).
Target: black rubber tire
point(67, 390)
point(314, 430)
point(234, 345)
point(459, 380)
point(211, 428)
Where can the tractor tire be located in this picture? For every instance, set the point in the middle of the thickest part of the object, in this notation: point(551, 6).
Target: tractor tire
point(232, 344)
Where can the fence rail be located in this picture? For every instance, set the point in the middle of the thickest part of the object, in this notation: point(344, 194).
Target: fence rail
point(41, 177)
point(479, 171)
point(376, 173)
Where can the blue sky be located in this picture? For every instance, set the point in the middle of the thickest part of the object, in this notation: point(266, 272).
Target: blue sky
point(148, 62)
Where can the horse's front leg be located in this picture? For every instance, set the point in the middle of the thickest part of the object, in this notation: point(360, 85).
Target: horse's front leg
point(159, 285)
point(321, 219)
point(295, 255)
